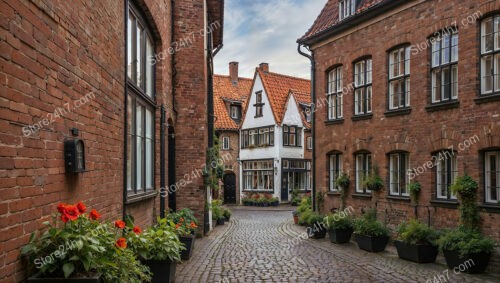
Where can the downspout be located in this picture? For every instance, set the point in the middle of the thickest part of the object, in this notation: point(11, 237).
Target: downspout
point(162, 161)
point(313, 123)
point(124, 193)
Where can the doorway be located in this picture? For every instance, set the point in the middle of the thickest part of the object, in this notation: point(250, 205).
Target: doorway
point(230, 188)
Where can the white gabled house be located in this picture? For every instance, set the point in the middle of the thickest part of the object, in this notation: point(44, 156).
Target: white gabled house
point(272, 136)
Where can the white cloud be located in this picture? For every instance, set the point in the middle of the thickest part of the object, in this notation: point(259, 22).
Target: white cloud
point(266, 31)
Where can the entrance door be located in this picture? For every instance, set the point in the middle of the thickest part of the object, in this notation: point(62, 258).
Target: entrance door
point(230, 188)
point(284, 187)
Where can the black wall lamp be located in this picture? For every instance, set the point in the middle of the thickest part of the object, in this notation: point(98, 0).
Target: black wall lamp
point(74, 154)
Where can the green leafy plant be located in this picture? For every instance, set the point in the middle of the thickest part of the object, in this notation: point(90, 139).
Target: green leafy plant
point(305, 216)
point(368, 225)
point(184, 222)
point(373, 182)
point(217, 210)
point(337, 221)
point(465, 187)
point(415, 232)
point(466, 242)
point(415, 188)
point(227, 213)
point(314, 218)
point(343, 181)
point(295, 197)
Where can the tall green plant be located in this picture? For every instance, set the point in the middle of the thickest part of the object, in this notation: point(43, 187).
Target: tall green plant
point(465, 187)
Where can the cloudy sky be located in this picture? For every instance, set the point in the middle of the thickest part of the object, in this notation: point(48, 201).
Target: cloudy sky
point(258, 31)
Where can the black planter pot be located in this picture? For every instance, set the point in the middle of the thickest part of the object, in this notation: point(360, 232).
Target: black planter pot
point(471, 263)
point(227, 218)
point(371, 244)
point(416, 253)
point(340, 236)
point(316, 231)
point(163, 270)
point(94, 279)
point(188, 242)
point(220, 221)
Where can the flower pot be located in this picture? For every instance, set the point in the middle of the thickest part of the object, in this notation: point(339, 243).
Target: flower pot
point(93, 279)
point(296, 219)
point(471, 263)
point(188, 242)
point(340, 236)
point(416, 253)
point(371, 244)
point(227, 218)
point(220, 221)
point(316, 231)
point(162, 270)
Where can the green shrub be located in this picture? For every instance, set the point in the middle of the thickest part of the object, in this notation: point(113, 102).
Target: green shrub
point(368, 225)
point(415, 232)
point(304, 216)
point(338, 221)
point(227, 213)
point(466, 242)
point(314, 218)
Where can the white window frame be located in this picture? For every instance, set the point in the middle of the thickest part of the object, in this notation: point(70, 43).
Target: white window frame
point(235, 111)
point(334, 94)
point(225, 143)
point(347, 8)
point(363, 95)
point(258, 175)
point(398, 174)
point(399, 75)
point(446, 174)
point(444, 58)
point(334, 170)
point(363, 163)
point(490, 53)
point(309, 143)
point(488, 186)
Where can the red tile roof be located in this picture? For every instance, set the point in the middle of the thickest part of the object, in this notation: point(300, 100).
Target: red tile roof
point(329, 16)
point(278, 86)
point(225, 90)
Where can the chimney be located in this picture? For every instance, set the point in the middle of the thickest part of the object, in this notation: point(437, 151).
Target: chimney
point(233, 72)
point(264, 67)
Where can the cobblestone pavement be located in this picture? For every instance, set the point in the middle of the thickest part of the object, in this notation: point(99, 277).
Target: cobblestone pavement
point(264, 246)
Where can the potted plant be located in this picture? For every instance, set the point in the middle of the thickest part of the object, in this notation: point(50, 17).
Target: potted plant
point(304, 210)
point(295, 214)
point(416, 242)
point(414, 188)
point(76, 247)
point(316, 228)
point(159, 248)
point(185, 224)
point(466, 243)
point(340, 228)
point(275, 201)
point(373, 182)
point(343, 183)
point(370, 234)
point(227, 214)
point(295, 197)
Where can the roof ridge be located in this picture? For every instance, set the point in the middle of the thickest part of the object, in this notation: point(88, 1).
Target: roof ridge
point(228, 76)
point(283, 75)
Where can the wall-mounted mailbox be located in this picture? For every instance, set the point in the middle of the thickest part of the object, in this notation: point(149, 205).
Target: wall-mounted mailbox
point(74, 156)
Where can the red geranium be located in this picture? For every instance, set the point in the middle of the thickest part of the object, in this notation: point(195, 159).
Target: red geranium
point(137, 230)
point(72, 212)
point(119, 224)
point(94, 215)
point(81, 207)
point(64, 218)
point(121, 243)
point(61, 207)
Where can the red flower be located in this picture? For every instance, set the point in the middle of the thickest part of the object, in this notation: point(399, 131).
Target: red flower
point(64, 218)
point(182, 219)
point(119, 224)
point(137, 230)
point(71, 211)
point(121, 243)
point(61, 207)
point(81, 207)
point(94, 215)
point(177, 226)
point(193, 225)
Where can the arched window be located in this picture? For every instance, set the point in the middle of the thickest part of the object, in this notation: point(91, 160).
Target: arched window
point(446, 170)
point(334, 93)
point(490, 55)
point(399, 163)
point(334, 170)
point(444, 67)
point(363, 87)
point(399, 78)
point(363, 166)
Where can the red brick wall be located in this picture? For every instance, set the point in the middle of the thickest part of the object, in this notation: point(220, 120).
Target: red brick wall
point(420, 132)
point(231, 161)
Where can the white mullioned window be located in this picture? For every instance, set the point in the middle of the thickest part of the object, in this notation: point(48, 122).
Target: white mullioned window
point(334, 94)
point(225, 143)
point(363, 87)
point(258, 175)
point(399, 78)
point(334, 170)
point(490, 55)
point(492, 177)
point(363, 169)
point(444, 67)
point(446, 172)
point(347, 8)
point(398, 177)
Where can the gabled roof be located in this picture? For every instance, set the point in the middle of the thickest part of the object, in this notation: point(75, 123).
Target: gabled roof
point(225, 90)
point(301, 99)
point(277, 87)
point(328, 19)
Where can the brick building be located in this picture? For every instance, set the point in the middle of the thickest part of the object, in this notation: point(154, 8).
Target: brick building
point(368, 55)
point(230, 95)
point(85, 70)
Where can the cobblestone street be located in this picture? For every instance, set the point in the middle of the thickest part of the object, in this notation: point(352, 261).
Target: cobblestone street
point(264, 246)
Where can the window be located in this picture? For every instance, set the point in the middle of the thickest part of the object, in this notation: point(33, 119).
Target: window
point(363, 169)
point(258, 105)
point(140, 107)
point(363, 87)
point(258, 175)
point(346, 8)
point(292, 136)
point(235, 112)
point(490, 55)
point(399, 78)
point(225, 143)
point(444, 70)
point(309, 142)
point(445, 163)
point(398, 174)
point(297, 174)
point(334, 169)
point(257, 137)
point(334, 94)
point(492, 177)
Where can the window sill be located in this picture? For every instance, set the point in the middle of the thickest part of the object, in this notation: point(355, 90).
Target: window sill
point(333, 193)
point(334, 122)
point(362, 117)
point(362, 196)
point(487, 98)
point(398, 198)
point(397, 112)
point(140, 197)
point(490, 207)
point(443, 106)
point(258, 192)
point(444, 203)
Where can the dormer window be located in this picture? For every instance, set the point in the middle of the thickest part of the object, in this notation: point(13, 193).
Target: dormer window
point(347, 8)
point(235, 112)
point(258, 104)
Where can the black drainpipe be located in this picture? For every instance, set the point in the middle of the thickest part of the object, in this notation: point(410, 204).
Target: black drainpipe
point(125, 26)
point(162, 162)
point(313, 124)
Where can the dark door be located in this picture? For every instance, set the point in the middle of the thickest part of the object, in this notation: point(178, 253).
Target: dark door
point(284, 187)
point(230, 188)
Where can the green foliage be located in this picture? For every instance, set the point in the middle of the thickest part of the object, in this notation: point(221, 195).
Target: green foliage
point(466, 241)
point(315, 218)
point(338, 221)
point(227, 213)
point(368, 225)
point(215, 171)
point(305, 216)
point(295, 197)
point(159, 242)
point(343, 181)
point(373, 182)
point(184, 221)
point(465, 187)
point(415, 188)
point(217, 210)
point(415, 232)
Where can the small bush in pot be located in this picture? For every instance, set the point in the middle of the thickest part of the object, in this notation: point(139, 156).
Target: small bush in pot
point(304, 217)
point(227, 214)
point(316, 228)
point(295, 214)
point(370, 234)
point(340, 227)
point(185, 224)
point(416, 242)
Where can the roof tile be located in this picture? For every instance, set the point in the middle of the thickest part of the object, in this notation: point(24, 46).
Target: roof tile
point(225, 89)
